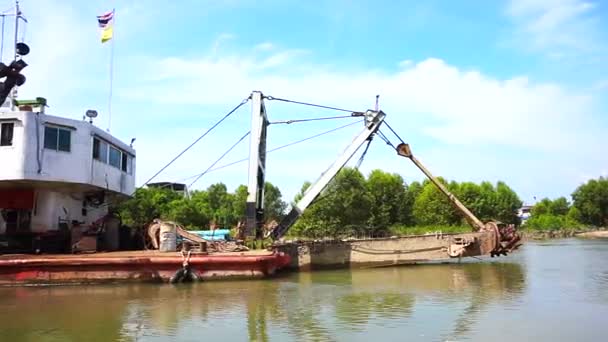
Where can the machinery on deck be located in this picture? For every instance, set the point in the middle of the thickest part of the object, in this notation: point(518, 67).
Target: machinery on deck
point(503, 238)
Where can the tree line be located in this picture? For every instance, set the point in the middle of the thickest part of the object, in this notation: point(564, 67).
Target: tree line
point(589, 207)
point(381, 203)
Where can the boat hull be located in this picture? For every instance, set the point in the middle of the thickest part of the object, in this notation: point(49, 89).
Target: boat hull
point(142, 266)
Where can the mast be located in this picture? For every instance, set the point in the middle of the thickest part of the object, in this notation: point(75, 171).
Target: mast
point(17, 16)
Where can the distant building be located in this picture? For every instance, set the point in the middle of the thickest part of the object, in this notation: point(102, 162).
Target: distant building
point(524, 213)
point(177, 187)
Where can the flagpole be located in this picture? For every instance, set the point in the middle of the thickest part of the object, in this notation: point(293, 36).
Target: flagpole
point(111, 70)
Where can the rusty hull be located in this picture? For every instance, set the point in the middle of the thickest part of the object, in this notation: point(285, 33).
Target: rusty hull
point(142, 266)
point(375, 252)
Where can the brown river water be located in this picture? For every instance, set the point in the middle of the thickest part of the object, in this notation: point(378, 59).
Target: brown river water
point(548, 291)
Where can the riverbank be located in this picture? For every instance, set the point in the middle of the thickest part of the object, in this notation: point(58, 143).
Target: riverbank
point(527, 233)
point(598, 234)
point(564, 233)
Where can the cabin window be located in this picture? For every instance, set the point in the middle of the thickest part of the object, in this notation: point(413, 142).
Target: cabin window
point(103, 151)
point(96, 149)
point(6, 134)
point(115, 157)
point(57, 139)
point(100, 150)
point(123, 164)
point(129, 164)
point(112, 155)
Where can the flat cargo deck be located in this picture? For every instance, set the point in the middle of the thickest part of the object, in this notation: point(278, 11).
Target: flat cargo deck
point(151, 266)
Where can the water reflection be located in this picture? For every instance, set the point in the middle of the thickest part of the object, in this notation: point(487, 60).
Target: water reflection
point(304, 306)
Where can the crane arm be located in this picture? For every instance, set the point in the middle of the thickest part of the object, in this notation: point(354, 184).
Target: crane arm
point(373, 120)
point(507, 238)
point(404, 151)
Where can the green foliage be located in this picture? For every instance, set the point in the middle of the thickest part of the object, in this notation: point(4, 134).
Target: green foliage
point(215, 204)
point(591, 199)
point(554, 214)
point(391, 207)
point(388, 198)
point(274, 206)
point(422, 230)
point(557, 207)
point(341, 209)
point(146, 205)
point(239, 202)
point(551, 222)
point(506, 204)
point(574, 214)
point(431, 207)
point(381, 204)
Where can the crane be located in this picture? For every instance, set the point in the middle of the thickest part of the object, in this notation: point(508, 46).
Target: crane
point(506, 238)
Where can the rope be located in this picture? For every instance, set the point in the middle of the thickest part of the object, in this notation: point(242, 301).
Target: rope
point(186, 259)
point(383, 137)
point(312, 119)
point(199, 138)
point(360, 161)
point(392, 130)
point(220, 158)
point(275, 149)
point(271, 98)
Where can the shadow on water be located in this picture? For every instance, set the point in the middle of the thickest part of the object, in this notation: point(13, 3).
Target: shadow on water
point(308, 306)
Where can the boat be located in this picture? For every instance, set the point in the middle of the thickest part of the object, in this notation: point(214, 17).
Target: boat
point(58, 180)
point(64, 175)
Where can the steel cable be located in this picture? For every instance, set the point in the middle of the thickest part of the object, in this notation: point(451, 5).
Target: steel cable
point(199, 138)
point(220, 158)
point(275, 149)
point(272, 98)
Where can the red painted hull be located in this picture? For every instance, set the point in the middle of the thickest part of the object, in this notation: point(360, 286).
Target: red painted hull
point(133, 266)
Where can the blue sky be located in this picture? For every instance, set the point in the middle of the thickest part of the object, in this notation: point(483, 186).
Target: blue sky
point(482, 90)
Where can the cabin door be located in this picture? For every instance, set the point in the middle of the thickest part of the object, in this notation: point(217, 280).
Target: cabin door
point(17, 221)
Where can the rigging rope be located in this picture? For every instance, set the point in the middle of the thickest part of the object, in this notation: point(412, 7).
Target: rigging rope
point(199, 138)
point(395, 133)
point(311, 119)
point(383, 137)
point(272, 98)
point(220, 158)
point(275, 149)
point(360, 161)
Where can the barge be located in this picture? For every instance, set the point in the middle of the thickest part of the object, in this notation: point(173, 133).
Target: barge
point(135, 266)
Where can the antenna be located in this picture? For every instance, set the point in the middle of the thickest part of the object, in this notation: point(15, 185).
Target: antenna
point(91, 113)
point(21, 49)
point(377, 97)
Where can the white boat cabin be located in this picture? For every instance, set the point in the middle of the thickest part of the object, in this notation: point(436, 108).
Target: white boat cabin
point(55, 171)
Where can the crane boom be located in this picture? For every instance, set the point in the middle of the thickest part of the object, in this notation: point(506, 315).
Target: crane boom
point(373, 120)
point(404, 151)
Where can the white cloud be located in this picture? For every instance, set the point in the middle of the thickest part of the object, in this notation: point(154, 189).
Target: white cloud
point(479, 127)
point(601, 85)
point(266, 46)
point(466, 107)
point(558, 27)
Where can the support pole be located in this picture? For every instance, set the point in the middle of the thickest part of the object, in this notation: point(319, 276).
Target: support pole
point(17, 15)
point(111, 71)
point(257, 167)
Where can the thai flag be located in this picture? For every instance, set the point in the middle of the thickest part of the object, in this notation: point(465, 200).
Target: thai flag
point(104, 19)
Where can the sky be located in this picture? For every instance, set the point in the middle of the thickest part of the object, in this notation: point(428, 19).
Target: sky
point(511, 91)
